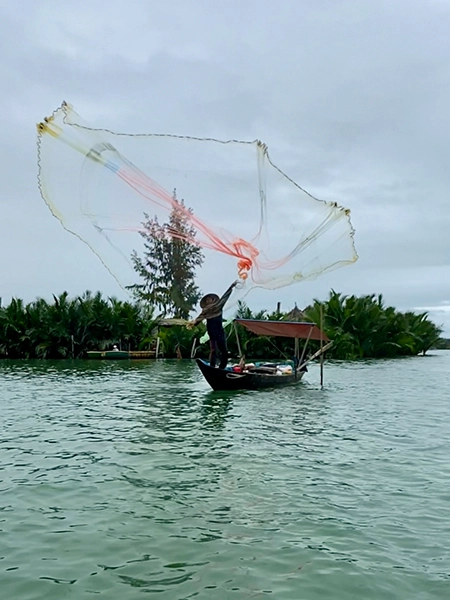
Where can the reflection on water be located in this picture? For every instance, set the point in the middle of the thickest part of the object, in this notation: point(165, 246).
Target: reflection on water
point(215, 410)
point(122, 478)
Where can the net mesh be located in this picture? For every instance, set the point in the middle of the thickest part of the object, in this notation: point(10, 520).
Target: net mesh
point(250, 218)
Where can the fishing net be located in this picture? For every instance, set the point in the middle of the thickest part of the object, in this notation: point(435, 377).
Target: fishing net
point(252, 220)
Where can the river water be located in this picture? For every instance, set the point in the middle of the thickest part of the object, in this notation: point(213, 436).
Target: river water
point(132, 480)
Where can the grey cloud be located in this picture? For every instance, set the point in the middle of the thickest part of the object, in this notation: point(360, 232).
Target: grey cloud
point(351, 97)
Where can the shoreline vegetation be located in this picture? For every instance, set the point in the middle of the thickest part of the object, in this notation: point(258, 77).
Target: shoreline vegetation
point(360, 327)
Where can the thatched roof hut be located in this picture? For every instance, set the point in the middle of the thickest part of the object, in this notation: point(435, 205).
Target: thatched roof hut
point(295, 315)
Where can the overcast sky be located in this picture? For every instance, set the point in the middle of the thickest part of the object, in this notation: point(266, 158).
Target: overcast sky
point(352, 98)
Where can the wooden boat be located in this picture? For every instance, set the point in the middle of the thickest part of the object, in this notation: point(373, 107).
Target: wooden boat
point(121, 354)
point(226, 379)
point(266, 376)
point(107, 355)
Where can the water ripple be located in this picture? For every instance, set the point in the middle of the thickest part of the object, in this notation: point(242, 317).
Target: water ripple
point(120, 479)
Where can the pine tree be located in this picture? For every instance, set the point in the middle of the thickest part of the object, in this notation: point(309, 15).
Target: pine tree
point(169, 263)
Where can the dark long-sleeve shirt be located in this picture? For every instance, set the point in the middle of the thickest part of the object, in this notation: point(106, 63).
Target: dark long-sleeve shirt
point(215, 309)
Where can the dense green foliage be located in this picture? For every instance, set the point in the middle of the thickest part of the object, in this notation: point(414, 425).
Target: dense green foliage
point(360, 328)
point(364, 328)
point(167, 269)
point(68, 328)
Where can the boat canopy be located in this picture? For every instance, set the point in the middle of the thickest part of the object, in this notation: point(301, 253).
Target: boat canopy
point(291, 329)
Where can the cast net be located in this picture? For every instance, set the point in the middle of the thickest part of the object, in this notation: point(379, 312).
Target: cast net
point(251, 219)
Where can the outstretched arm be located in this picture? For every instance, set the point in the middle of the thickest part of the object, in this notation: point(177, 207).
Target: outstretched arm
point(227, 294)
point(212, 308)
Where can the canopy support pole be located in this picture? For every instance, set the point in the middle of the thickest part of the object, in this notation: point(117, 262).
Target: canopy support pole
point(316, 354)
point(304, 347)
point(238, 340)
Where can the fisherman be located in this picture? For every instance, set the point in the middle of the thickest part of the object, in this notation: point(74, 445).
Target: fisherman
point(212, 307)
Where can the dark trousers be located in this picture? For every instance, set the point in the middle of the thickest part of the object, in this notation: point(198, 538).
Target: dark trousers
point(220, 345)
point(217, 342)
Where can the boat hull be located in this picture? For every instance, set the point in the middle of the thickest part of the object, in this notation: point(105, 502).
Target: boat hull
point(107, 355)
point(120, 354)
point(220, 379)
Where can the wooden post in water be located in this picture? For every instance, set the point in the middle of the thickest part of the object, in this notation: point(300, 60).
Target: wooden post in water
point(321, 345)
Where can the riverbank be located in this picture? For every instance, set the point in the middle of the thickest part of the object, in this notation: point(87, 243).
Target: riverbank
point(71, 327)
